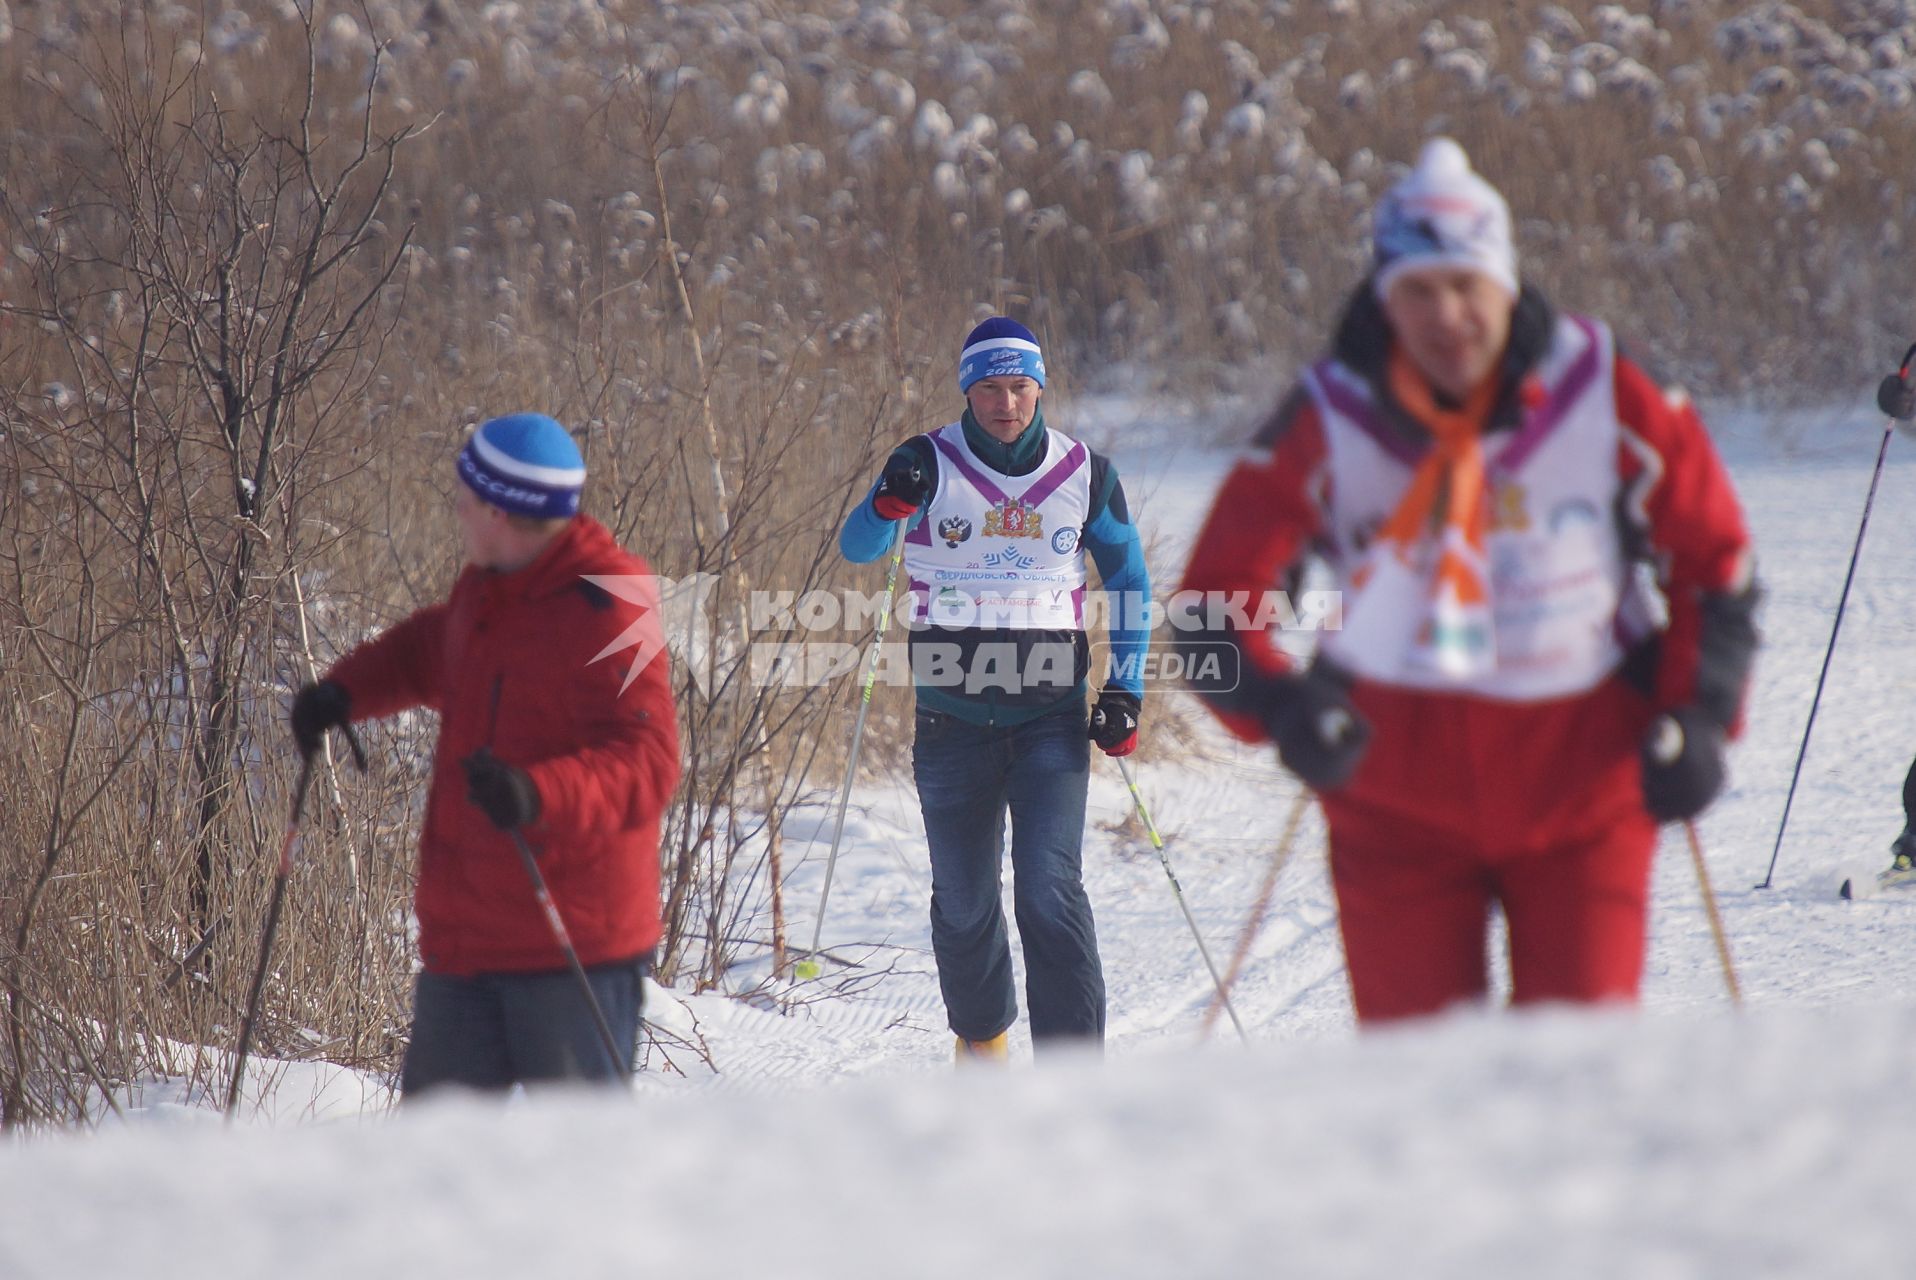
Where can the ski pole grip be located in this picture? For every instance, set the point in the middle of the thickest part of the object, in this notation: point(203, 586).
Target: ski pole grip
point(1896, 397)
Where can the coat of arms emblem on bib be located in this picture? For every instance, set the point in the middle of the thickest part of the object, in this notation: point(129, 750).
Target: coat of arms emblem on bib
point(1013, 519)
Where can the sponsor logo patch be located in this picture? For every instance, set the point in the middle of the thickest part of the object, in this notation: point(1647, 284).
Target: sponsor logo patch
point(1010, 558)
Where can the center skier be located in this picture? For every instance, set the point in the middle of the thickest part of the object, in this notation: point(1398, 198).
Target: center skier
point(998, 511)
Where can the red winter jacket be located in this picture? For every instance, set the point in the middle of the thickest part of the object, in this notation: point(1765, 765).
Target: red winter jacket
point(511, 660)
point(1503, 775)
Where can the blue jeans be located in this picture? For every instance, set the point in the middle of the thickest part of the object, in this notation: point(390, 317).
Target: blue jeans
point(968, 775)
point(496, 1030)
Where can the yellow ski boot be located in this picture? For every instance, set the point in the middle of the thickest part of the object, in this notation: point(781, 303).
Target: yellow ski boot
point(996, 1049)
point(1903, 852)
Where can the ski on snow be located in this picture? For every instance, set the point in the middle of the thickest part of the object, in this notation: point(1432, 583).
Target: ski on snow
point(1868, 886)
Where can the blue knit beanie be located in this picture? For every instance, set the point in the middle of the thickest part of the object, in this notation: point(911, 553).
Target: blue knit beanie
point(1000, 348)
point(525, 464)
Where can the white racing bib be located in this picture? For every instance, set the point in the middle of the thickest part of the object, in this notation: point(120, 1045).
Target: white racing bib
point(1001, 551)
point(1556, 567)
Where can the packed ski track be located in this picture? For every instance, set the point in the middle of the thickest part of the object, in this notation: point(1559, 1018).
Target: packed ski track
point(1677, 1141)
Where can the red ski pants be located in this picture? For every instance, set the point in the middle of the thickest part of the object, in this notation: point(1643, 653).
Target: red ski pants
point(1414, 907)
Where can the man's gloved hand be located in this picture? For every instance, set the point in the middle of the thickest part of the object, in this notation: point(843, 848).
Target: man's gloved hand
point(1683, 766)
point(1896, 397)
point(1320, 736)
point(902, 488)
point(1114, 722)
point(317, 708)
point(505, 792)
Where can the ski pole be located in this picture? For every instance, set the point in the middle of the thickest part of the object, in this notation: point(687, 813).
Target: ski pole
point(808, 967)
point(278, 900)
point(1897, 401)
point(1716, 920)
point(556, 922)
point(562, 936)
point(1137, 798)
point(1254, 923)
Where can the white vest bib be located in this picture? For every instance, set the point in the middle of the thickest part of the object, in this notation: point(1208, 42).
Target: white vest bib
point(1002, 551)
point(1557, 572)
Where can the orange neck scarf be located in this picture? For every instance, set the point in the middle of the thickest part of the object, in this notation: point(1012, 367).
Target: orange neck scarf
point(1451, 477)
point(1444, 505)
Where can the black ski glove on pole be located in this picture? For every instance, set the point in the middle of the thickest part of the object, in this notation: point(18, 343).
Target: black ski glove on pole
point(1896, 397)
point(1114, 722)
point(317, 708)
point(1683, 764)
point(1319, 734)
point(504, 792)
point(902, 489)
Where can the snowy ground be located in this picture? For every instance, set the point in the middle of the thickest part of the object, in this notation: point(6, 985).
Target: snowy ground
point(1682, 1141)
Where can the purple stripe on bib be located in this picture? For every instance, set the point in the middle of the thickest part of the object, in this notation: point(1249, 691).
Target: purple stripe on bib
point(1048, 482)
point(956, 457)
point(1550, 415)
point(1363, 415)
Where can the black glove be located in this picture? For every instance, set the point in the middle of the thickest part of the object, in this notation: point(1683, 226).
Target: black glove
point(505, 792)
point(902, 489)
point(1683, 765)
point(1114, 722)
point(317, 708)
point(1896, 397)
point(1319, 735)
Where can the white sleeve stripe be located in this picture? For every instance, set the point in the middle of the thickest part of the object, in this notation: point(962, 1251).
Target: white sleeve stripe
point(1636, 497)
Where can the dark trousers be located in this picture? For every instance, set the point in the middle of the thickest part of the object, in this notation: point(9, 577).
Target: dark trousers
point(496, 1030)
point(968, 777)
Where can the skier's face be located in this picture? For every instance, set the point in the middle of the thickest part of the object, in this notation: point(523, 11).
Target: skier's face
point(1452, 322)
point(495, 540)
point(479, 526)
point(1004, 406)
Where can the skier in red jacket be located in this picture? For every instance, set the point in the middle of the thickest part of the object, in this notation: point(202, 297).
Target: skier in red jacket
point(1547, 620)
point(547, 668)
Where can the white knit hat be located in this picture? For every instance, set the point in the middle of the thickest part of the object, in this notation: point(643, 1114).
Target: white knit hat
point(1442, 214)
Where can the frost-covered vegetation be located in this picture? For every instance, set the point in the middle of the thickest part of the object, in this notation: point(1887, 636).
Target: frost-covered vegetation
point(1149, 181)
